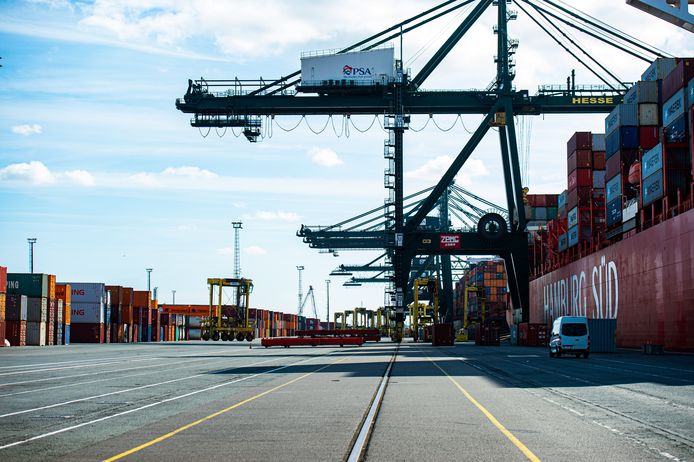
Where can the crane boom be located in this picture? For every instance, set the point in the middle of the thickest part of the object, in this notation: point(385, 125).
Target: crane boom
point(308, 295)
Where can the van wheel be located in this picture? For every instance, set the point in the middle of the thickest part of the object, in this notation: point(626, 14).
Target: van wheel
point(585, 355)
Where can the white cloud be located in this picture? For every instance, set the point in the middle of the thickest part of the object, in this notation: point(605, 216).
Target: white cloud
point(289, 217)
point(433, 170)
point(189, 172)
point(33, 172)
point(255, 250)
point(26, 129)
point(226, 251)
point(325, 157)
point(80, 177)
point(36, 173)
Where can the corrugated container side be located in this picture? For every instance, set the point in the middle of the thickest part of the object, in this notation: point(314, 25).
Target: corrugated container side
point(678, 78)
point(652, 161)
point(16, 307)
point(622, 115)
point(3, 279)
point(674, 107)
point(648, 114)
point(87, 313)
point(31, 285)
point(87, 292)
point(653, 188)
point(613, 188)
point(598, 142)
point(37, 309)
point(599, 179)
point(603, 335)
point(579, 140)
point(36, 333)
point(649, 137)
point(644, 91)
point(87, 333)
point(677, 131)
point(3, 307)
point(16, 332)
point(614, 212)
point(660, 68)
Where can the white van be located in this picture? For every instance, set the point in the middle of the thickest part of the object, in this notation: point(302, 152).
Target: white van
point(569, 336)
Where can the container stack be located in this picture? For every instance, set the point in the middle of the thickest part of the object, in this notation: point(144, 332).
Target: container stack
point(35, 287)
point(16, 315)
point(586, 188)
point(124, 329)
point(63, 292)
point(666, 168)
point(88, 312)
point(52, 312)
point(3, 304)
point(490, 276)
point(156, 320)
point(142, 314)
point(116, 296)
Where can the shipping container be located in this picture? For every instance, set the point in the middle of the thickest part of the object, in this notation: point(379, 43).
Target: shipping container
point(622, 115)
point(620, 163)
point(63, 292)
point(580, 159)
point(649, 137)
point(580, 177)
point(31, 285)
point(572, 217)
point(87, 313)
point(579, 140)
point(674, 107)
point(16, 307)
point(626, 137)
point(3, 307)
point(660, 68)
point(614, 212)
point(613, 188)
point(37, 309)
point(645, 91)
point(66, 334)
point(87, 333)
point(36, 333)
point(366, 67)
point(563, 242)
point(652, 161)
point(653, 188)
point(677, 131)
point(16, 332)
point(648, 114)
point(678, 78)
point(598, 142)
point(599, 179)
point(599, 158)
point(3, 279)
point(87, 292)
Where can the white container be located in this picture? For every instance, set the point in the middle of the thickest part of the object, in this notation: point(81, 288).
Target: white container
point(648, 114)
point(87, 313)
point(87, 292)
point(364, 67)
point(36, 333)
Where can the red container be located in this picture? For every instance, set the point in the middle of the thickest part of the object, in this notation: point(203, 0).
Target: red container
point(620, 163)
point(443, 335)
point(87, 333)
point(3, 279)
point(582, 158)
point(580, 197)
point(487, 335)
point(579, 140)
point(678, 78)
point(598, 160)
point(580, 177)
point(649, 136)
point(141, 298)
point(2, 333)
point(16, 332)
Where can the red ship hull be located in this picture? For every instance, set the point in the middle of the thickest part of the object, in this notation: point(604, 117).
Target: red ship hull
point(646, 282)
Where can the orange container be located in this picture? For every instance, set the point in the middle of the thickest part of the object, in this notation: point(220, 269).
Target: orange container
point(63, 292)
point(141, 298)
point(51, 286)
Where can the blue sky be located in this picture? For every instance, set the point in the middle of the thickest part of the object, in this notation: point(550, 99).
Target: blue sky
point(96, 162)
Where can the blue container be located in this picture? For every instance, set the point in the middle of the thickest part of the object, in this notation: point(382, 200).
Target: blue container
point(603, 335)
point(621, 116)
point(653, 188)
point(675, 107)
point(598, 179)
point(676, 132)
point(573, 236)
point(690, 91)
point(613, 189)
point(66, 334)
point(563, 242)
point(652, 161)
point(614, 212)
point(572, 217)
point(626, 137)
point(161, 333)
point(645, 91)
point(561, 199)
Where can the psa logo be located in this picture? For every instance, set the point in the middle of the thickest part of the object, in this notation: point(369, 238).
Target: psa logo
point(349, 71)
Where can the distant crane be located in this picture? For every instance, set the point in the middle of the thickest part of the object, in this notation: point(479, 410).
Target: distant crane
point(310, 295)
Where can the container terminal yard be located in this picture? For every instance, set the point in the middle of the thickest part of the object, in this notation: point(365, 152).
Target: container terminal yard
point(455, 363)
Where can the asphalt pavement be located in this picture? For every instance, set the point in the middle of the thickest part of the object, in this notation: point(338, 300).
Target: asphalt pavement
point(223, 401)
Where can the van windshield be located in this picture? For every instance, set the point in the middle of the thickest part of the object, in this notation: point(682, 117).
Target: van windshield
point(574, 330)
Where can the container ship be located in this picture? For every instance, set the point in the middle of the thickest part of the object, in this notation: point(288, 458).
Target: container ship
point(621, 244)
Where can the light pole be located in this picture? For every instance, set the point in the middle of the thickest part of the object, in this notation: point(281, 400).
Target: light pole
point(149, 278)
point(301, 295)
point(173, 294)
point(31, 241)
point(327, 303)
point(237, 248)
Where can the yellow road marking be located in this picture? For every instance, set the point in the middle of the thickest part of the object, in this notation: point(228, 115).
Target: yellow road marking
point(212, 416)
point(523, 448)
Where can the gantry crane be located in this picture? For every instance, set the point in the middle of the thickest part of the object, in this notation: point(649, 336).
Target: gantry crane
point(309, 295)
point(229, 322)
point(243, 104)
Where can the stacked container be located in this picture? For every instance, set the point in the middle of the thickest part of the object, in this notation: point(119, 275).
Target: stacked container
point(52, 311)
point(142, 314)
point(16, 315)
point(489, 275)
point(124, 330)
point(64, 295)
point(3, 304)
point(116, 313)
point(35, 287)
point(586, 188)
point(88, 301)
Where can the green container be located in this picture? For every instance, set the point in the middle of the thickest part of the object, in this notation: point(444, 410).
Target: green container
point(176, 334)
point(552, 213)
point(31, 285)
